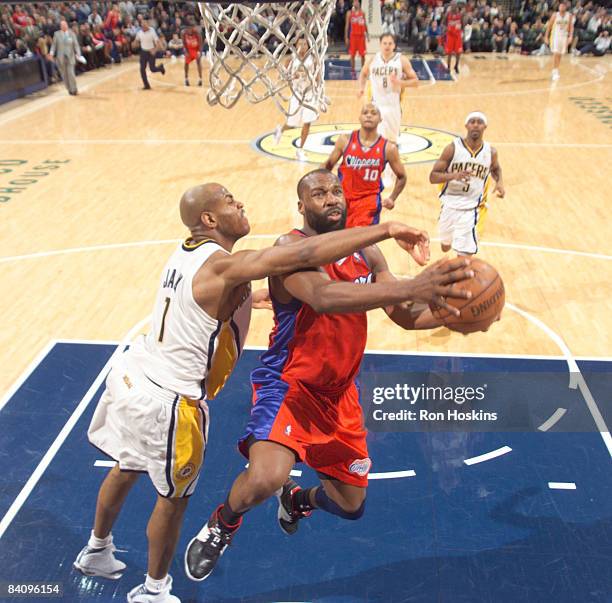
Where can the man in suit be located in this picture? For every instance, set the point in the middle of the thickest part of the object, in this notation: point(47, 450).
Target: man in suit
point(66, 50)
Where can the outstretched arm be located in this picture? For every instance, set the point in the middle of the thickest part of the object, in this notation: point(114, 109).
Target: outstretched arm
point(326, 296)
point(319, 250)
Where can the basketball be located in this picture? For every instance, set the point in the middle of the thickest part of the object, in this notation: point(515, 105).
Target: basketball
point(485, 305)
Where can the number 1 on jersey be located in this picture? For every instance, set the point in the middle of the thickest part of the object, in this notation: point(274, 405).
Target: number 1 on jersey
point(163, 320)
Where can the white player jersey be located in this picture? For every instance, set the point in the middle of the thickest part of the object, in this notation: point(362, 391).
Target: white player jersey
point(471, 194)
point(187, 351)
point(562, 24)
point(380, 82)
point(299, 69)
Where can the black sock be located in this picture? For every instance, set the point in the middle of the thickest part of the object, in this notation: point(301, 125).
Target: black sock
point(301, 500)
point(228, 517)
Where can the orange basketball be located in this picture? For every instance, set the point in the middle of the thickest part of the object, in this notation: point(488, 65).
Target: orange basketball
point(485, 305)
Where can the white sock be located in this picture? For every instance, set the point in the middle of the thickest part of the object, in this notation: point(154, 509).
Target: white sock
point(99, 543)
point(155, 586)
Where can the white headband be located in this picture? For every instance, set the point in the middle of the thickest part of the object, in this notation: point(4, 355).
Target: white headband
point(476, 115)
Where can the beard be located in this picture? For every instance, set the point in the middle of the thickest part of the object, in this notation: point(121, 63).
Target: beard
point(321, 223)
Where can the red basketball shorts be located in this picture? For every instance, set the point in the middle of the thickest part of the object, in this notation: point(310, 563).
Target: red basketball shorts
point(326, 431)
point(357, 45)
point(454, 44)
point(364, 211)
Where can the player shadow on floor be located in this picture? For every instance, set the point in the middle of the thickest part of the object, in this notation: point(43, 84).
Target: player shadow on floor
point(559, 561)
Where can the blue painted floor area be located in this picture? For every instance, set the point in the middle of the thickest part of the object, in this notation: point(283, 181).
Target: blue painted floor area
point(490, 532)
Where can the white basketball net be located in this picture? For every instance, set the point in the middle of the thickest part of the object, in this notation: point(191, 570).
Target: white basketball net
point(254, 52)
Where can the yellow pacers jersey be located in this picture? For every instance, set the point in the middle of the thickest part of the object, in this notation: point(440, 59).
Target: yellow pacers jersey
point(468, 195)
point(187, 351)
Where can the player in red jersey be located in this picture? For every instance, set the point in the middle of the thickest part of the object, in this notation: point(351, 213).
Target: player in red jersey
point(364, 156)
point(356, 33)
point(192, 41)
point(305, 401)
point(454, 35)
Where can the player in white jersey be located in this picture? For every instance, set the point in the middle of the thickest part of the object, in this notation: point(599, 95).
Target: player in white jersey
point(153, 415)
point(299, 115)
point(464, 171)
point(559, 33)
point(388, 73)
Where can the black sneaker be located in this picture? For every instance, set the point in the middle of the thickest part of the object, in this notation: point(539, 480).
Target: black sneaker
point(288, 516)
point(186, 82)
point(163, 69)
point(204, 550)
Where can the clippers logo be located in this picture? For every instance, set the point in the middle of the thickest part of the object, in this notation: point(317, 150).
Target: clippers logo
point(417, 144)
point(361, 467)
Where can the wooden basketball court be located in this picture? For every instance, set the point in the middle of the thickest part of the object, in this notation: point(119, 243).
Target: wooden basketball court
point(90, 188)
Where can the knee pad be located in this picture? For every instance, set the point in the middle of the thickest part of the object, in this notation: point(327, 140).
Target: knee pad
point(327, 504)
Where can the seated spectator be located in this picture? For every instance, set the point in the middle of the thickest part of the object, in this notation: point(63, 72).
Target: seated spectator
point(162, 47)
point(94, 18)
point(487, 38)
point(102, 43)
point(500, 39)
point(599, 47)
point(388, 20)
point(467, 36)
point(515, 39)
point(434, 35)
point(175, 46)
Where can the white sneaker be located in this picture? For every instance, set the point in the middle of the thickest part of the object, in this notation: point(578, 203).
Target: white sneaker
point(99, 562)
point(555, 75)
point(141, 594)
point(278, 132)
point(301, 155)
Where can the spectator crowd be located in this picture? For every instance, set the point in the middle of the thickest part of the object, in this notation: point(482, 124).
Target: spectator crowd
point(488, 26)
point(106, 31)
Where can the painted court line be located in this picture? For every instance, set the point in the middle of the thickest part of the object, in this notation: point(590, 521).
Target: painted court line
point(562, 485)
point(69, 250)
point(576, 378)
point(137, 141)
point(488, 456)
point(6, 521)
point(28, 371)
point(100, 463)
point(553, 419)
point(392, 474)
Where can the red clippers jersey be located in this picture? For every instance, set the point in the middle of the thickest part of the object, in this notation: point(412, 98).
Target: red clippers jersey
point(453, 23)
point(321, 351)
point(357, 24)
point(192, 41)
point(361, 169)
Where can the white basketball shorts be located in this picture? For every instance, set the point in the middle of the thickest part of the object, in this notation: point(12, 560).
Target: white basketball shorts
point(150, 429)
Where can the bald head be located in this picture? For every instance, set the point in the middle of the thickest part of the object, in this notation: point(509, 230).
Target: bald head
point(211, 211)
point(199, 199)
